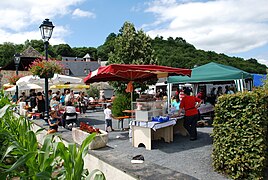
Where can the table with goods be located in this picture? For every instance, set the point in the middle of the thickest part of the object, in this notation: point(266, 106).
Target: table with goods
point(151, 122)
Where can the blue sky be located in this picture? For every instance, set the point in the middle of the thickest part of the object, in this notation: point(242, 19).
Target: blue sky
point(234, 27)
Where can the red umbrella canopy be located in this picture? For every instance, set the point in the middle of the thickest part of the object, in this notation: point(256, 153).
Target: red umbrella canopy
point(132, 72)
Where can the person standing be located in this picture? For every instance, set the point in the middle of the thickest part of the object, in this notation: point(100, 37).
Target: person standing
point(190, 104)
point(40, 104)
point(108, 118)
point(62, 99)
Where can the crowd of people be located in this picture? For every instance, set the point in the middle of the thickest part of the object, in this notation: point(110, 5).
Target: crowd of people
point(60, 105)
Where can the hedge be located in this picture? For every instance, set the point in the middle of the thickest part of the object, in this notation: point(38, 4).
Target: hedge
point(240, 135)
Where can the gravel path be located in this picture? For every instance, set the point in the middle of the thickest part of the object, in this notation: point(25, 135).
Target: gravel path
point(188, 157)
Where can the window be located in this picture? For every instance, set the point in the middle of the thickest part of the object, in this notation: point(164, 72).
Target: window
point(67, 71)
point(87, 71)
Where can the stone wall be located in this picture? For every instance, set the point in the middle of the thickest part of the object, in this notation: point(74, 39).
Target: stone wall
point(8, 73)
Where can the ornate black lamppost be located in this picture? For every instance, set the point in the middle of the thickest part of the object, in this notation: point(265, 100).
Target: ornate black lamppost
point(46, 29)
point(17, 63)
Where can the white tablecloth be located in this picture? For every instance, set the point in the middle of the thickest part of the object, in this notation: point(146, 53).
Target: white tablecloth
point(154, 125)
point(205, 108)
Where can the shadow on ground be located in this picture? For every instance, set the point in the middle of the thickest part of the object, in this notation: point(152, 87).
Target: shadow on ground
point(182, 143)
point(91, 121)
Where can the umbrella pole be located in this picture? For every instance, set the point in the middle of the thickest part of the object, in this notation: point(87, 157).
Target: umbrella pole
point(131, 99)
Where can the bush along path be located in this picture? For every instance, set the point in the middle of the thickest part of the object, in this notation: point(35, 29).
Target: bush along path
point(23, 157)
point(240, 135)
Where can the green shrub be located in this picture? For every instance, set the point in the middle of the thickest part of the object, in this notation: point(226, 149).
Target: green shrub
point(121, 103)
point(93, 91)
point(21, 155)
point(239, 135)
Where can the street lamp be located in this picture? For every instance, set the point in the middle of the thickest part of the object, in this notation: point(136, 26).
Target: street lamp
point(46, 29)
point(17, 63)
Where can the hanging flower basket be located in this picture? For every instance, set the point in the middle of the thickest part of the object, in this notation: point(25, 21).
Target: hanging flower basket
point(47, 75)
point(13, 79)
point(45, 69)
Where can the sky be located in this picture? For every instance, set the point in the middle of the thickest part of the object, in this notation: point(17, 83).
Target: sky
point(234, 27)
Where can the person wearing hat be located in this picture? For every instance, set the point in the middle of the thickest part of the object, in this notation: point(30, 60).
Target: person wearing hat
point(54, 100)
point(108, 118)
point(190, 104)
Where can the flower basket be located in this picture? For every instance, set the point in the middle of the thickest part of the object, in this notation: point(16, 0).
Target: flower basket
point(99, 141)
point(45, 69)
point(13, 79)
point(47, 75)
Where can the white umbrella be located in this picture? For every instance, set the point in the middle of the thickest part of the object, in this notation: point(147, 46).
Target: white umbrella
point(57, 79)
point(30, 79)
point(24, 87)
point(61, 79)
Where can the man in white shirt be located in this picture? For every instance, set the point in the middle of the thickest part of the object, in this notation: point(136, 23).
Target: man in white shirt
point(54, 101)
point(108, 118)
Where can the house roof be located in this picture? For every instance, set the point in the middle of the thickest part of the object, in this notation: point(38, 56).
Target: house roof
point(30, 52)
point(65, 58)
point(87, 56)
point(27, 57)
point(77, 68)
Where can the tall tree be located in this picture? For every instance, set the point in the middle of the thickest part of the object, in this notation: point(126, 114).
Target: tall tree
point(132, 47)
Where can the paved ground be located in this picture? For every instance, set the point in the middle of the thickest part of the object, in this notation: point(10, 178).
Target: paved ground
point(188, 157)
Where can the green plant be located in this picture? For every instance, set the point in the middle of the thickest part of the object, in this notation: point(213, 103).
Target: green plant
point(73, 160)
point(3, 99)
point(44, 68)
point(121, 103)
point(93, 91)
point(240, 135)
point(22, 156)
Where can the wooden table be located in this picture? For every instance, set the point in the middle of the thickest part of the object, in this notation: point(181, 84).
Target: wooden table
point(121, 119)
point(178, 128)
point(129, 111)
point(145, 132)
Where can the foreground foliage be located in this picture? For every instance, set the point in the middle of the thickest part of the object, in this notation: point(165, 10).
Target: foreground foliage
point(240, 135)
point(22, 156)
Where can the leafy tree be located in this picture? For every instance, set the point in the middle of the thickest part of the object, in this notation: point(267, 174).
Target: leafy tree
point(107, 47)
point(7, 51)
point(63, 50)
point(132, 47)
point(82, 51)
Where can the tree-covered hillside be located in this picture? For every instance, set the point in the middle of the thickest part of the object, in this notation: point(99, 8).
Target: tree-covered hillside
point(178, 53)
point(171, 52)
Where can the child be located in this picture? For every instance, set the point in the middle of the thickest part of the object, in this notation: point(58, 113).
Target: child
point(53, 122)
point(108, 117)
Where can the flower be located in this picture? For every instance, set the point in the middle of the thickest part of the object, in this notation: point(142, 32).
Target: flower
point(89, 129)
point(13, 79)
point(43, 68)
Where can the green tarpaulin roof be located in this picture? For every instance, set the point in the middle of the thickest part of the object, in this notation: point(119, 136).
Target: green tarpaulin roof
point(211, 72)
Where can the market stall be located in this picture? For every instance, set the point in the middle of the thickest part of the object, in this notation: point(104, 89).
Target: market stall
point(141, 73)
point(214, 72)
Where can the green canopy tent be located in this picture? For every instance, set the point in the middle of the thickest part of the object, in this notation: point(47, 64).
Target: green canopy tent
point(214, 72)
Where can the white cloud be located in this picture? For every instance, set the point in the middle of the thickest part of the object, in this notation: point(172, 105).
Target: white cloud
point(21, 37)
point(80, 13)
point(20, 19)
point(263, 61)
point(224, 26)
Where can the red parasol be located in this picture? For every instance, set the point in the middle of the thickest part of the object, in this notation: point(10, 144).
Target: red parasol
point(131, 72)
